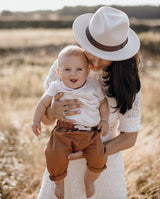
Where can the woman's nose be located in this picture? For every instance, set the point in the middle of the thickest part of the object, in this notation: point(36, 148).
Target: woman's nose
point(96, 62)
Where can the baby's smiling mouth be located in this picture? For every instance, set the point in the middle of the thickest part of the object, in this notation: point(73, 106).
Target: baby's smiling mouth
point(73, 80)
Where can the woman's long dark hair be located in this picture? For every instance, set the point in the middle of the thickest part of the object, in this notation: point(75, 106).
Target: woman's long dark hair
point(122, 81)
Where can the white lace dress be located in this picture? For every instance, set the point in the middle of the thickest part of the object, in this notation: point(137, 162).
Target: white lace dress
point(111, 183)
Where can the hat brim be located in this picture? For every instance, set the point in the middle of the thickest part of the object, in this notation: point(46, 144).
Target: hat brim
point(129, 50)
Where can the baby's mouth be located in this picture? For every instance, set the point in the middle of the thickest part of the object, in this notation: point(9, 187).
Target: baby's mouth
point(73, 80)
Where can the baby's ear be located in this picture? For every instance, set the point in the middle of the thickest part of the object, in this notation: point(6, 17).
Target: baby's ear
point(57, 70)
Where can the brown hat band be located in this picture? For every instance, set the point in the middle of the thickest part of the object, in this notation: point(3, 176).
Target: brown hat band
point(103, 47)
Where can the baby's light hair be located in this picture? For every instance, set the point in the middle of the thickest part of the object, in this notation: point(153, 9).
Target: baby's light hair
point(71, 50)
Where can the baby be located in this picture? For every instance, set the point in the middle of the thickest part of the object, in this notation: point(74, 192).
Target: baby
point(82, 135)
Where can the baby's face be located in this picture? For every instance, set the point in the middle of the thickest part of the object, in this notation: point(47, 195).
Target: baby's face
point(73, 70)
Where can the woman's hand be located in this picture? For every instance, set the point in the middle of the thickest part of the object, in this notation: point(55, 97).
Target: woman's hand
point(64, 108)
point(76, 155)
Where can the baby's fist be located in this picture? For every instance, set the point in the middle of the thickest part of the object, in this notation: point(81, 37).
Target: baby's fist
point(103, 125)
point(36, 127)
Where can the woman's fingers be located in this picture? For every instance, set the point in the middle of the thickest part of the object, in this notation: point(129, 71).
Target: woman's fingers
point(65, 102)
point(73, 103)
point(58, 96)
point(64, 108)
point(66, 105)
point(70, 113)
point(71, 107)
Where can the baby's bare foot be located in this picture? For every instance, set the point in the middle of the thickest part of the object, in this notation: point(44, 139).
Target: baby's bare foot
point(90, 189)
point(59, 189)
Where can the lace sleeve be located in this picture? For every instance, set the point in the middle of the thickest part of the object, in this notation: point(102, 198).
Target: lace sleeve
point(52, 75)
point(130, 121)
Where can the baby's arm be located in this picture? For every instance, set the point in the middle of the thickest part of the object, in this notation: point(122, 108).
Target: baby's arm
point(39, 112)
point(104, 113)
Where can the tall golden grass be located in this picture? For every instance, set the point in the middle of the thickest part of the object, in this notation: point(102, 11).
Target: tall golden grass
point(22, 75)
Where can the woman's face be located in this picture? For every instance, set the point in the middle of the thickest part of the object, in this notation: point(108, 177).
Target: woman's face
point(96, 63)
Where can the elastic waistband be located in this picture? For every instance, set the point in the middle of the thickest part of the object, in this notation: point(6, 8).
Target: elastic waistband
point(71, 126)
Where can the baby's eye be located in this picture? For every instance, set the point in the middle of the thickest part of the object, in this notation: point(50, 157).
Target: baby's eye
point(79, 68)
point(66, 69)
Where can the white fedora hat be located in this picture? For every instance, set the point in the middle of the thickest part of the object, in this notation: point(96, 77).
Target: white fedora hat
point(106, 34)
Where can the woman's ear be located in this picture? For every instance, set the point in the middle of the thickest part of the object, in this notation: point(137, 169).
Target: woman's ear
point(57, 70)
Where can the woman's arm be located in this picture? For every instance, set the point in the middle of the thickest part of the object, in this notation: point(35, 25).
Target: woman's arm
point(121, 142)
point(61, 109)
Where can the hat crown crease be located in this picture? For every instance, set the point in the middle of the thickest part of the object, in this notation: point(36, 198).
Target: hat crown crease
point(107, 33)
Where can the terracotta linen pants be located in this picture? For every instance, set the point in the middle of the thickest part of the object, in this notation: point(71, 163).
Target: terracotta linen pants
point(64, 140)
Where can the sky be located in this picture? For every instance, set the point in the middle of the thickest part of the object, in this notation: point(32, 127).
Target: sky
point(31, 5)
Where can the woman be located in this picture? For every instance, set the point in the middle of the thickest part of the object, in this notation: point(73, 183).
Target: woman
point(111, 48)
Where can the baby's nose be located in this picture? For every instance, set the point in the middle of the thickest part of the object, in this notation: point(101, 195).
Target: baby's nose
point(73, 73)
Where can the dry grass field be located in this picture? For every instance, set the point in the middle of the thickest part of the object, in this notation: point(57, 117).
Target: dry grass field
point(25, 58)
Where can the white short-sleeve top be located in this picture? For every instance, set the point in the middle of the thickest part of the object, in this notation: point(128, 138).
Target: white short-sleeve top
point(90, 95)
point(128, 122)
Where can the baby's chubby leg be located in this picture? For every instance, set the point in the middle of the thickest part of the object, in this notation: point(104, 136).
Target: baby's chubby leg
point(89, 179)
point(96, 162)
point(59, 189)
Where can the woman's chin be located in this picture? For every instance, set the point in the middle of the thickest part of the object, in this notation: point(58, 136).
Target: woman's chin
point(95, 68)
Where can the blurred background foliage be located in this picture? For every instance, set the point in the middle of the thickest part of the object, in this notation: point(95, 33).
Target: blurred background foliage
point(29, 44)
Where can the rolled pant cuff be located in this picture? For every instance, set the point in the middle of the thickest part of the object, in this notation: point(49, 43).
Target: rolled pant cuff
point(59, 177)
point(97, 170)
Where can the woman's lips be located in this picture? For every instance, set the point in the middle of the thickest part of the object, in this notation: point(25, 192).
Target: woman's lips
point(95, 66)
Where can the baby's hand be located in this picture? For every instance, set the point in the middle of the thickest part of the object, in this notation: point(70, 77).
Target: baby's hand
point(103, 125)
point(36, 127)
